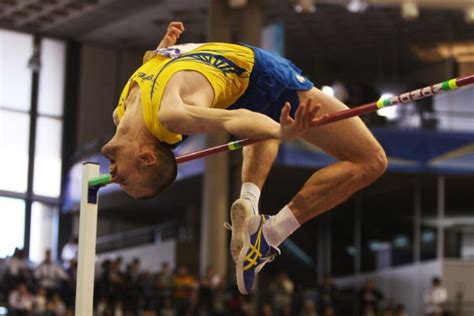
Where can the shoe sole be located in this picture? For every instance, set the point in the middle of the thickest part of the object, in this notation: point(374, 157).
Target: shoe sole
point(239, 212)
point(239, 271)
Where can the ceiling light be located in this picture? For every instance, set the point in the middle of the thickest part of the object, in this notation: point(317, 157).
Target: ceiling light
point(357, 6)
point(305, 6)
point(327, 90)
point(469, 14)
point(389, 112)
point(409, 10)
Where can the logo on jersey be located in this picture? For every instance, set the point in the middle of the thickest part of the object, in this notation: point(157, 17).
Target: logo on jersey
point(300, 78)
point(218, 61)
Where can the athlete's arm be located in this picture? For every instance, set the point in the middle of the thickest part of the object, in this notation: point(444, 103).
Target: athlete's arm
point(173, 32)
point(179, 117)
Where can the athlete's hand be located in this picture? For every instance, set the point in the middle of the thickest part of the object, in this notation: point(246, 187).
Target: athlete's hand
point(305, 118)
point(172, 34)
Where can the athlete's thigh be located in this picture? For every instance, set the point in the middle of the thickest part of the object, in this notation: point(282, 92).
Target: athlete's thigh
point(348, 139)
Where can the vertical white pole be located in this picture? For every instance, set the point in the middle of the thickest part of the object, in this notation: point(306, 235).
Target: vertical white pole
point(87, 242)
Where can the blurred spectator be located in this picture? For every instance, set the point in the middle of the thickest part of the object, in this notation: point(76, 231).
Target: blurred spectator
point(49, 274)
point(370, 297)
point(69, 251)
point(435, 298)
point(165, 278)
point(183, 284)
point(68, 288)
point(167, 308)
point(138, 292)
point(400, 311)
point(282, 290)
point(236, 302)
point(16, 264)
point(16, 270)
point(309, 309)
point(133, 270)
point(40, 301)
point(118, 308)
point(131, 280)
point(118, 264)
point(146, 292)
point(328, 311)
point(57, 305)
point(209, 287)
point(114, 279)
point(327, 293)
point(102, 307)
point(267, 310)
point(20, 301)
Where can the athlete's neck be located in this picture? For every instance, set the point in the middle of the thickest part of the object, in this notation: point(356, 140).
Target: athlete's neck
point(132, 125)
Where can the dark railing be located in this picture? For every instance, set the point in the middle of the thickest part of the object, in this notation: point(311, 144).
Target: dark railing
point(137, 237)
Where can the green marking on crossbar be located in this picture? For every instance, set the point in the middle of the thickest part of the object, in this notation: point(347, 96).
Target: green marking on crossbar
point(234, 145)
point(100, 180)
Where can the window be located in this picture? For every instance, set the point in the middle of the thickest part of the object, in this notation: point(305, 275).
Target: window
point(15, 78)
point(52, 75)
point(17, 196)
point(42, 236)
point(47, 177)
point(14, 137)
point(12, 214)
point(47, 170)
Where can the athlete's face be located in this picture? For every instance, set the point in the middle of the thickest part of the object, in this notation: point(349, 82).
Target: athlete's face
point(125, 168)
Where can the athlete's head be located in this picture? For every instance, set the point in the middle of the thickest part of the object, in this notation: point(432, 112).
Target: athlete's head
point(142, 170)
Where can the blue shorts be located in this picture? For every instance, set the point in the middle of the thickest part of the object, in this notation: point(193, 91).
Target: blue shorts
point(274, 80)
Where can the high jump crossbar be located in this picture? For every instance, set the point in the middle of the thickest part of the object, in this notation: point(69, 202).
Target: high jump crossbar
point(92, 181)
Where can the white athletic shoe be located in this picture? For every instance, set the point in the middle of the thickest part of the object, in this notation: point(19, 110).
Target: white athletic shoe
point(239, 212)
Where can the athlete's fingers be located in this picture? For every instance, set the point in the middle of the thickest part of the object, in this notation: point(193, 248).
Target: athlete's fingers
point(177, 24)
point(311, 112)
point(314, 112)
point(285, 118)
point(174, 31)
point(305, 116)
point(318, 120)
point(304, 111)
point(298, 113)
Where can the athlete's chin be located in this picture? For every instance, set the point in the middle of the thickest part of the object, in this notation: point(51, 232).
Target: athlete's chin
point(137, 194)
point(130, 192)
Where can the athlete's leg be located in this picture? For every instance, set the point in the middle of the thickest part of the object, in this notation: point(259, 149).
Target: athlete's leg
point(257, 161)
point(361, 161)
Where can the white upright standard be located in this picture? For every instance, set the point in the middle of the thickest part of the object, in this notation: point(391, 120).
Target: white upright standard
point(87, 242)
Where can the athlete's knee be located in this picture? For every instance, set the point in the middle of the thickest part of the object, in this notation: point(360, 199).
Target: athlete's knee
point(375, 165)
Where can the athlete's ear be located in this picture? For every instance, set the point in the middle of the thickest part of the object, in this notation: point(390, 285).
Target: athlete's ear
point(148, 157)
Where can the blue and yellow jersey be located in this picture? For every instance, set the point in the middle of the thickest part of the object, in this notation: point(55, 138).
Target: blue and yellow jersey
point(227, 67)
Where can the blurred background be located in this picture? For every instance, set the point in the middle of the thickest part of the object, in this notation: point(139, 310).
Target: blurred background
point(403, 246)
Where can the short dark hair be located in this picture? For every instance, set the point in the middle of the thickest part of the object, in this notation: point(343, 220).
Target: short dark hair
point(164, 173)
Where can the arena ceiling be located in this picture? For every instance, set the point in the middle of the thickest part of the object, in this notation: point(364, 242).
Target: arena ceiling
point(378, 38)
